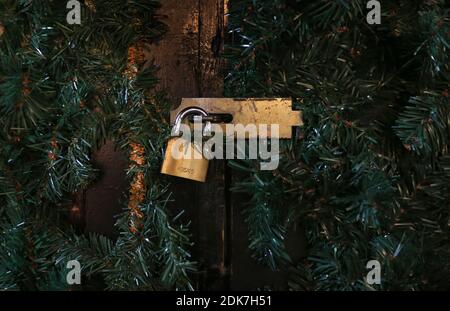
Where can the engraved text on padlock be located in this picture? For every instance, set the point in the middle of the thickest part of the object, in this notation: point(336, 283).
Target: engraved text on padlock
point(183, 158)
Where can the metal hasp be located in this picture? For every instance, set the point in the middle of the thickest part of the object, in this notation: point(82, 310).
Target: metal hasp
point(247, 111)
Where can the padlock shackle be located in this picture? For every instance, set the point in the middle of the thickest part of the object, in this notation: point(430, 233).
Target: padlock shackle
point(183, 114)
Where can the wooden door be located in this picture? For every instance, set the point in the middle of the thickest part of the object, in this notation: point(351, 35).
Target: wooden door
point(189, 62)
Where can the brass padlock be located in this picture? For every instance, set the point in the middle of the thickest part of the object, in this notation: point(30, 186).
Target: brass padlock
point(183, 158)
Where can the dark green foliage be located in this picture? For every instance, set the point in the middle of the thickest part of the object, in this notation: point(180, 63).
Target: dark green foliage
point(267, 224)
point(367, 177)
point(63, 91)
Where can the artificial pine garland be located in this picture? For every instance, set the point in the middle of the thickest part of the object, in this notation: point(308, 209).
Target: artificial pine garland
point(367, 177)
point(64, 89)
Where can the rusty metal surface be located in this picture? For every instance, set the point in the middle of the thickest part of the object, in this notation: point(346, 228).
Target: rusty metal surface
point(247, 111)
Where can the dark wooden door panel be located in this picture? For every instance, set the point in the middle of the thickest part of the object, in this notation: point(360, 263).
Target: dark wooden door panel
point(190, 65)
point(103, 200)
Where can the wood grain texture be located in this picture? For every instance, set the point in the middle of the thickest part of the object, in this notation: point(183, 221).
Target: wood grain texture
point(190, 66)
point(188, 58)
point(177, 55)
point(211, 205)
